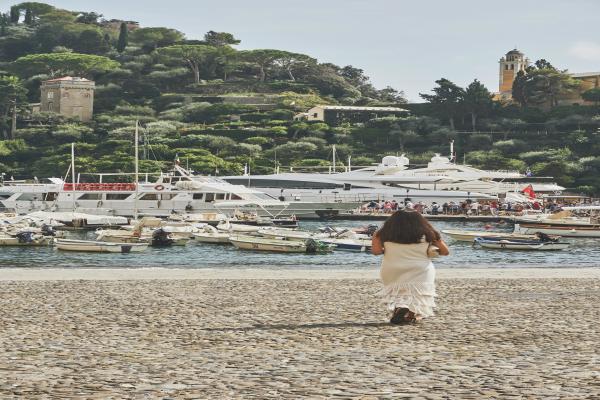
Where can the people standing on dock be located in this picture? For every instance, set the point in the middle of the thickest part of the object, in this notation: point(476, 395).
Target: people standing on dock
point(419, 207)
point(387, 207)
point(452, 208)
point(408, 242)
point(464, 206)
point(494, 207)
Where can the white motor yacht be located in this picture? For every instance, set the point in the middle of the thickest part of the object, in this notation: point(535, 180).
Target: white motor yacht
point(378, 183)
point(441, 181)
point(177, 192)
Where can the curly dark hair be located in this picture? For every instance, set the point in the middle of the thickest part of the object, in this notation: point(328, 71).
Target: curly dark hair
point(407, 227)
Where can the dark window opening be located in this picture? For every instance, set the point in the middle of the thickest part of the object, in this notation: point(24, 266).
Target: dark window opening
point(116, 196)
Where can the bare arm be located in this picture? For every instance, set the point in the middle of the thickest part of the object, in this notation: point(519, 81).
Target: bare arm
point(440, 244)
point(377, 246)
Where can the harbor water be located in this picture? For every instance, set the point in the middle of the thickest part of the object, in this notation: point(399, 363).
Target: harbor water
point(582, 253)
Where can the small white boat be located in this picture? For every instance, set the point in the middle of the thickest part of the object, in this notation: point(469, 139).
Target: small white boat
point(359, 245)
point(211, 235)
point(212, 218)
point(527, 245)
point(25, 239)
point(123, 236)
point(283, 233)
point(279, 245)
point(235, 228)
point(98, 247)
point(76, 220)
point(469, 236)
point(576, 231)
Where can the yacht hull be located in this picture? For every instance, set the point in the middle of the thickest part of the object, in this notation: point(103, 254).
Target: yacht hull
point(575, 231)
point(305, 209)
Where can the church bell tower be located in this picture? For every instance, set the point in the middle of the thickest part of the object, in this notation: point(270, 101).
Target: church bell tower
point(510, 65)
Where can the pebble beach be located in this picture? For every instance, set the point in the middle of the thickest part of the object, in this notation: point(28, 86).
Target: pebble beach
point(181, 334)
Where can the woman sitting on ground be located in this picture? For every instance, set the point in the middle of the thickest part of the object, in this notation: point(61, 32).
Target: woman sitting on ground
point(408, 242)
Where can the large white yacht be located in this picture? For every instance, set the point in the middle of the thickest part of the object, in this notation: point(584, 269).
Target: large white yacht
point(175, 192)
point(466, 177)
point(380, 183)
point(441, 181)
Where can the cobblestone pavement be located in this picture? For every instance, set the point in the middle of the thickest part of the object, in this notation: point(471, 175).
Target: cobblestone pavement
point(491, 338)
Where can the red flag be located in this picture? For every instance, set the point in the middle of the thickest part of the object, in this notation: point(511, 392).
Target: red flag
point(529, 191)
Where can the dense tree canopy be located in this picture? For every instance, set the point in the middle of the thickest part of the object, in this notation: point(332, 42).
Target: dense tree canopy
point(57, 64)
point(12, 95)
point(217, 39)
point(447, 98)
point(192, 56)
point(153, 38)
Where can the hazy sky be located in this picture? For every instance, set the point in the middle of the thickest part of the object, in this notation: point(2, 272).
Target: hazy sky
point(404, 44)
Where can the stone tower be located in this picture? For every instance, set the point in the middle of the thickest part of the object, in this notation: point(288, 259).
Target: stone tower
point(69, 96)
point(510, 65)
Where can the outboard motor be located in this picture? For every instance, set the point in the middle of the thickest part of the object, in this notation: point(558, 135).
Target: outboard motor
point(25, 237)
point(327, 229)
point(161, 238)
point(545, 238)
point(311, 246)
point(371, 229)
point(47, 230)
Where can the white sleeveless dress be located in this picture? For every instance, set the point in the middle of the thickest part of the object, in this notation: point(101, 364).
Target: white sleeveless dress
point(408, 278)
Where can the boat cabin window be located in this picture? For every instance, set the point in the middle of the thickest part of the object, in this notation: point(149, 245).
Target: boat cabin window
point(198, 196)
point(90, 196)
point(264, 196)
point(149, 196)
point(220, 196)
point(4, 196)
point(117, 196)
point(284, 184)
point(51, 196)
point(209, 197)
point(167, 196)
point(31, 196)
point(235, 197)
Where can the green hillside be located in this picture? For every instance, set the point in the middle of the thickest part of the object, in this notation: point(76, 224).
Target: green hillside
point(218, 108)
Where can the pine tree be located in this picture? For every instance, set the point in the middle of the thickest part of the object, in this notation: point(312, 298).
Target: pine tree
point(3, 24)
point(122, 43)
point(477, 100)
point(519, 89)
point(15, 14)
point(28, 17)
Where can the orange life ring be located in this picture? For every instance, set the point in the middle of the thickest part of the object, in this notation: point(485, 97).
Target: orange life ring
point(159, 187)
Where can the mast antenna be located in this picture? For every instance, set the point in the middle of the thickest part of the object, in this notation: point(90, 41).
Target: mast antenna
point(136, 179)
point(73, 174)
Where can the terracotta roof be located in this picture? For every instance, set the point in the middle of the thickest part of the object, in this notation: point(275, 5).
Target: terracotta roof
point(69, 78)
point(358, 108)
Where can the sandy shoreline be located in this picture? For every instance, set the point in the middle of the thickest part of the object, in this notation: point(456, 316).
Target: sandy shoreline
point(115, 274)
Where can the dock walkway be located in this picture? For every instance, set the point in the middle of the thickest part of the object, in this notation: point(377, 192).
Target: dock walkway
point(438, 217)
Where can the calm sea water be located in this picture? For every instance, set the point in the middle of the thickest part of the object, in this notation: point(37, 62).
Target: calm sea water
point(583, 253)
